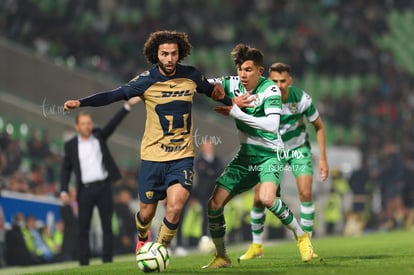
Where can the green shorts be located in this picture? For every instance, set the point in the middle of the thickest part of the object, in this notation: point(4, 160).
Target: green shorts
point(248, 168)
point(298, 161)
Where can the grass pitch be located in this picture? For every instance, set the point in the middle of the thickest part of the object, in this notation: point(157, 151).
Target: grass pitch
point(377, 253)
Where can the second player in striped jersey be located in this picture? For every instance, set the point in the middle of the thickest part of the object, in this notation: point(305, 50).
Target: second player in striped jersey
point(256, 159)
point(297, 106)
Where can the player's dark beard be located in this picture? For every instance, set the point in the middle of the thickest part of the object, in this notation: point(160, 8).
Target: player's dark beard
point(166, 71)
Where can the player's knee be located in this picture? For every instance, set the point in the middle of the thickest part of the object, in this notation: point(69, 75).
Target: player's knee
point(214, 205)
point(306, 195)
point(266, 201)
point(146, 215)
point(175, 208)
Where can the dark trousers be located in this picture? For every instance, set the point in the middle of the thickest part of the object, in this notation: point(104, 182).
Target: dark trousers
point(99, 194)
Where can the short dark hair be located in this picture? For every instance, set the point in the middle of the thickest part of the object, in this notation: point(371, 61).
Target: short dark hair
point(242, 53)
point(157, 38)
point(82, 113)
point(279, 67)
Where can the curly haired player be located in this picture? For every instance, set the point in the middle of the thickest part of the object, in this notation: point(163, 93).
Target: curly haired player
point(167, 149)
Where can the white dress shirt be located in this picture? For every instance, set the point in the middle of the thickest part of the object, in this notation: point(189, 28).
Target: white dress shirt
point(90, 160)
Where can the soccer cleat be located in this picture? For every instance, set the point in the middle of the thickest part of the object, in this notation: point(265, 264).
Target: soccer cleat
point(255, 250)
point(219, 262)
point(315, 256)
point(305, 247)
point(141, 242)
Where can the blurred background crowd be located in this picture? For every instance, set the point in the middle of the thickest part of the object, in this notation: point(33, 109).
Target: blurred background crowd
point(356, 59)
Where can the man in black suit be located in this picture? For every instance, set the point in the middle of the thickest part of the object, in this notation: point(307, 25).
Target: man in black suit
point(88, 156)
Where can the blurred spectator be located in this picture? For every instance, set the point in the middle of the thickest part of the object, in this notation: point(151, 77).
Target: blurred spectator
point(38, 146)
point(17, 252)
point(18, 182)
point(391, 187)
point(69, 214)
point(335, 207)
point(361, 185)
point(123, 223)
point(192, 223)
point(35, 242)
point(3, 161)
point(14, 157)
point(37, 183)
point(52, 246)
point(57, 236)
point(408, 191)
point(332, 212)
point(208, 167)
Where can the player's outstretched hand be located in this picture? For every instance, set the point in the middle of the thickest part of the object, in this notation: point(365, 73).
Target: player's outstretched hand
point(224, 110)
point(71, 104)
point(244, 101)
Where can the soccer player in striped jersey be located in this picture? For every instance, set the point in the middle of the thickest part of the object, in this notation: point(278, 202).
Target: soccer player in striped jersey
point(167, 149)
point(297, 105)
point(256, 160)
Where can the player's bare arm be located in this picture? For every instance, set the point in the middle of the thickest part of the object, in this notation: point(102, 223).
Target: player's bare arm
point(320, 137)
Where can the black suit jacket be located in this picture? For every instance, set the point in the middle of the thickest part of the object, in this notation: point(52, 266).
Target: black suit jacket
point(71, 160)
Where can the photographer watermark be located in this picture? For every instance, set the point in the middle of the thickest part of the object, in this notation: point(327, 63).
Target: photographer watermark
point(53, 109)
point(277, 168)
point(288, 154)
point(203, 139)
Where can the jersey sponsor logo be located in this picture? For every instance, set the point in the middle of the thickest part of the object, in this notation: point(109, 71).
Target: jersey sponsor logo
point(237, 92)
point(165, 94)
point(149, 194)
point(274, 89)
point(176, 148)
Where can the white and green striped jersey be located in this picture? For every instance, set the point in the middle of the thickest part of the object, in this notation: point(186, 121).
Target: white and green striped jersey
point(268, 100)
point(292, 126)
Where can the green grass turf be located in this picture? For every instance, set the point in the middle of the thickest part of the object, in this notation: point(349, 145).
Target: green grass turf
point(377, 253)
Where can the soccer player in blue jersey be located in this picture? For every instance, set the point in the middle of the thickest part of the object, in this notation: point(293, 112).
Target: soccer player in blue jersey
point(297, 106)
point(256, 160)
point(167, 149)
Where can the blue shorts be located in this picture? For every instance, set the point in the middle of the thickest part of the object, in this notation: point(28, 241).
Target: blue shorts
point(155, 178)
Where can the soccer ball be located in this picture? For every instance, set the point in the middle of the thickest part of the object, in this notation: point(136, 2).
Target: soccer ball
point(206, 245)
point(153, 257)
